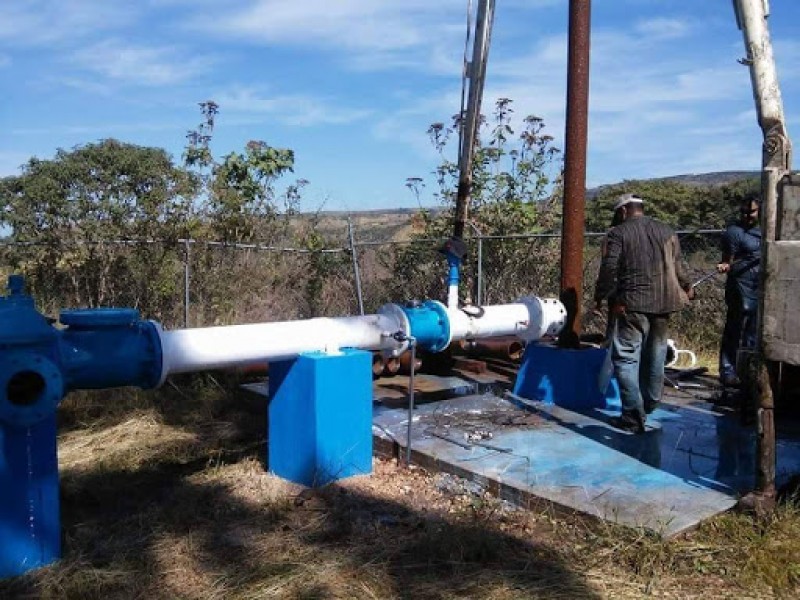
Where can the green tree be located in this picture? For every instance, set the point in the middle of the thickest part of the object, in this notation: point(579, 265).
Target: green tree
point(67, 209)
point(680, 205)
point(515, 189)
point(240, 202)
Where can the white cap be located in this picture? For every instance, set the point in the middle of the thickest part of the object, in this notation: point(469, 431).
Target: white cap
point(627, 199)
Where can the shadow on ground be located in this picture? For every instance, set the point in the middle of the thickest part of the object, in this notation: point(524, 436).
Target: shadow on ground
point(216, 526)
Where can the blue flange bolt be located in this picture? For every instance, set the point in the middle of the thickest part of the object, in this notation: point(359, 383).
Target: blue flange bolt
point(39, 364)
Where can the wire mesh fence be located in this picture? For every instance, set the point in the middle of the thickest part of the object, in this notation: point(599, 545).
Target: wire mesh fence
point(190, 283)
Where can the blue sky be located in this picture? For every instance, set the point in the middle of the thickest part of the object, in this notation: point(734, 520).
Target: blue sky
point(352, 85)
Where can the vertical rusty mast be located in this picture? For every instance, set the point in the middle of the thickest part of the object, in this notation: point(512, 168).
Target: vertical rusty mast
point(573, 220)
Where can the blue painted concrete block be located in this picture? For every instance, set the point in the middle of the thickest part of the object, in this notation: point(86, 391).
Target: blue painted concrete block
point(565, 377)
point(320, 417)
point(30, 535)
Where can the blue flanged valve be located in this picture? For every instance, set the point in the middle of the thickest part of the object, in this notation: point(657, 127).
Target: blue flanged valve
point(109, 347)
point(39, 364)
point(31, 385)
point(430, 325)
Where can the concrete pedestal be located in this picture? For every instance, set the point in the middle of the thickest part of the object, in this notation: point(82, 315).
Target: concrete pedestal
point(320, 417)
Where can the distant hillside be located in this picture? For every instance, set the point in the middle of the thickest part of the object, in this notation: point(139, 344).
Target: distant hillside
point(693, 179)
point(375, 225)
point(716, 178)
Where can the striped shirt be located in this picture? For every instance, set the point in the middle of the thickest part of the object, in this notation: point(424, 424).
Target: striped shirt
point(641, 267)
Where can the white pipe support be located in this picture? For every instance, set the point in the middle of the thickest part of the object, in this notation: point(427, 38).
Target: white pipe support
point(199, 349)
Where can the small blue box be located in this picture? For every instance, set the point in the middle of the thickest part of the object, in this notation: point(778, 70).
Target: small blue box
point(320, 417)
point(565, 377)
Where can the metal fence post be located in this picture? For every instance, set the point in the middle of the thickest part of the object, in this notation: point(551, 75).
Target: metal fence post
point(356, 271)
point(479, 294)
point(186, 282)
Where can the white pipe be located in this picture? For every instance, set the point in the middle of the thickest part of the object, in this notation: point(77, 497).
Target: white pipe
point(530, 319)
point(189, 350)
point(452, 296)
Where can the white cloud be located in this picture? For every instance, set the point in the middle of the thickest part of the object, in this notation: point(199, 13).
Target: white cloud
point(654, 109)
point(44, 22)
point(95, 130)
point(663, 28)
point(354, 24)
point(4, 60)
point(364, 34)
point(140, 64)
point(408, 125)
point(292, 109)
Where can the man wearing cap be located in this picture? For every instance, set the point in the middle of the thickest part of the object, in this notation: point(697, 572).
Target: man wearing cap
point(741, 259)
point(641, 269)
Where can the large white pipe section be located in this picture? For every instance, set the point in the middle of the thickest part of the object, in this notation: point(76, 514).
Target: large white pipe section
point(199, 349)
point(530, 319)
point(190, 350)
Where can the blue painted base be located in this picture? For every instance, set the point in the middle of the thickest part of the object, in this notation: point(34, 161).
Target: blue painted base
point(30, 535)
point(320, 417)
point(565, 377)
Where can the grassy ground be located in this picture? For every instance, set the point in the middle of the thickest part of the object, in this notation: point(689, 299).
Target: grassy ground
point(164, 496)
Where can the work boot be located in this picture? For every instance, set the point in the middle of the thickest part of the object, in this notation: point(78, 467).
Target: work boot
point(629, 423)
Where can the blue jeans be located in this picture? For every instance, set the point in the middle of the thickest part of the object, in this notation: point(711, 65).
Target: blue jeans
point(639, 350)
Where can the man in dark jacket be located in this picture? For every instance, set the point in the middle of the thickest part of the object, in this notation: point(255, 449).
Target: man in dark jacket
point(641, 269)
point(741, 259)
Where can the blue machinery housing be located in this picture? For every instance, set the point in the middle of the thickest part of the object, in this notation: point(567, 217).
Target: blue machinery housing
point(39, 364)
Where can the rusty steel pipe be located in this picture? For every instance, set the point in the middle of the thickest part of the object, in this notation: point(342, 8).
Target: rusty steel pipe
point(405, 363)
point(260, 369)
point(377, 364)
point(573, 222)
point(505, 348)
point(391, 366)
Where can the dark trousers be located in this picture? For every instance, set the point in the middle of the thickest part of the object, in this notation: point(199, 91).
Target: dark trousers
point(739, 332)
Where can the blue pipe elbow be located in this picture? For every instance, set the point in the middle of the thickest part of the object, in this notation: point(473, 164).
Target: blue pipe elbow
point(454, 266)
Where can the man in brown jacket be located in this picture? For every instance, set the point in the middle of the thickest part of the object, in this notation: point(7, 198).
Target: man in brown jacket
point(641, 270)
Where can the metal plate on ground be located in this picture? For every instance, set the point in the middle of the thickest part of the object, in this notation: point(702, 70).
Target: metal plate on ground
point(690, 465)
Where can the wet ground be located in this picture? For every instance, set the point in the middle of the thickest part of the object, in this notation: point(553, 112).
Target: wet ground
point(694, 461)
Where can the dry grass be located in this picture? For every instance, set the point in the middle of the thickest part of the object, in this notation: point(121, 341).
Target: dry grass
point(165, 496)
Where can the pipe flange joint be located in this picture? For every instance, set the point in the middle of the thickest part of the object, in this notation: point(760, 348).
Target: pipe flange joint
point(31, 387)
point(546, 317)
point(430, 325)
point(397, 316)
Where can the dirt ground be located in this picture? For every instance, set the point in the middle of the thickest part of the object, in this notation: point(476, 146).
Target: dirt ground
point(165, 496)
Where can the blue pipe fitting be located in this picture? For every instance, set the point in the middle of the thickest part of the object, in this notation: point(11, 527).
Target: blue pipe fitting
point(31, 383)
point(109, 347)
point(430, 325)
point(454, 266)
point(39, 364)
